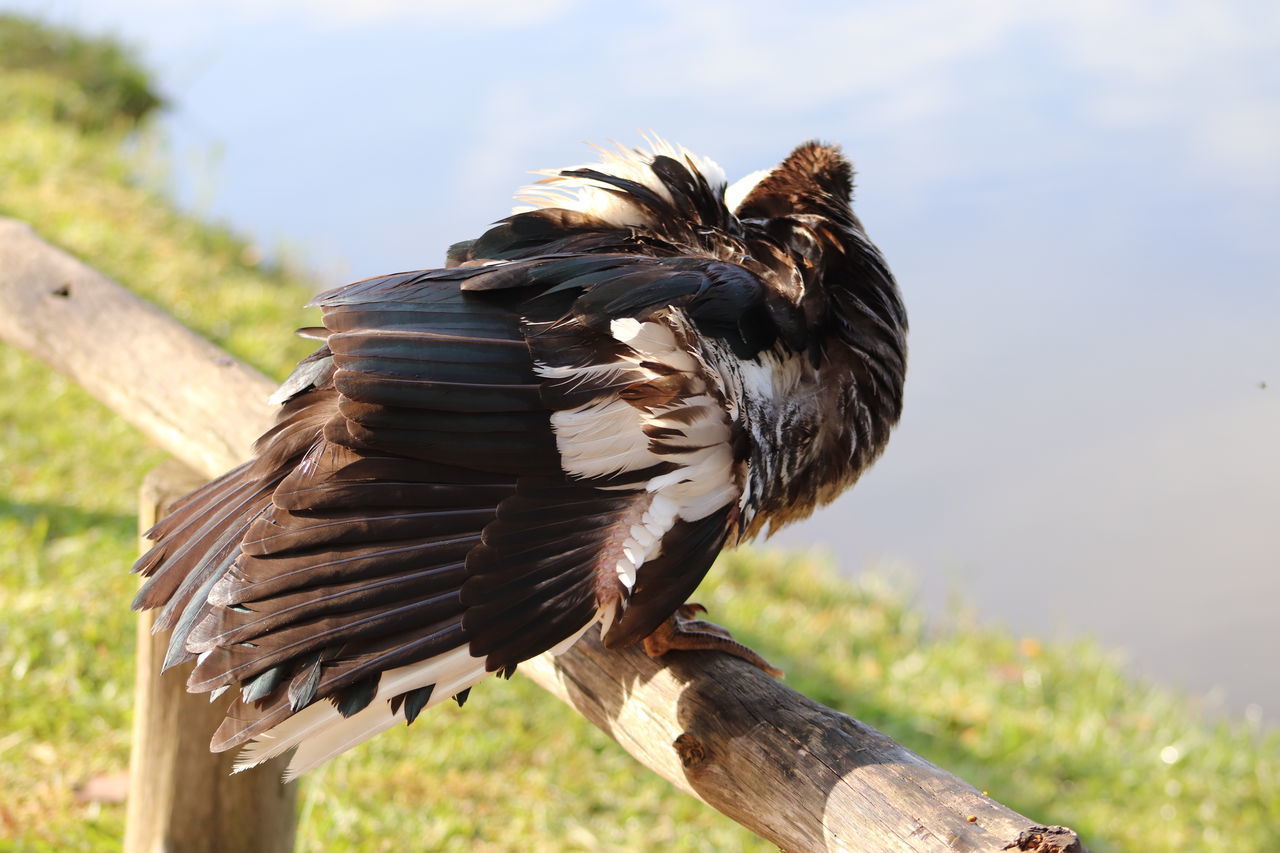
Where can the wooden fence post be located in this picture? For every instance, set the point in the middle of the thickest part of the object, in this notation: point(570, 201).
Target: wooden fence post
point(182, 798)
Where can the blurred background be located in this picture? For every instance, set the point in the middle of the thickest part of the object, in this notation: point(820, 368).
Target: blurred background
point(1080, 201)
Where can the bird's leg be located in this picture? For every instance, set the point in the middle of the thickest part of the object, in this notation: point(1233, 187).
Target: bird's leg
point(684, 631)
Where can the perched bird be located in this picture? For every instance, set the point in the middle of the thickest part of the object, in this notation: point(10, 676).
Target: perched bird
point(562, 427)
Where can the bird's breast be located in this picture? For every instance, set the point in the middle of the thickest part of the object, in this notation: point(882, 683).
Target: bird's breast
point(794, 448)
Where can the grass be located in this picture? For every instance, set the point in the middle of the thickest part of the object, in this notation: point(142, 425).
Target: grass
point(1059, 732)
point(111, 88)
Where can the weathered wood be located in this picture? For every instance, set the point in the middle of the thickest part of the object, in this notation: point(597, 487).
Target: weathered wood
point(132, 356)
point(786, 767)
point(182, 799)
point(790, 769)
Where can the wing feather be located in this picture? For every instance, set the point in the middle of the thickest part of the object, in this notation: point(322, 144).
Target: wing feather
point(479, 463)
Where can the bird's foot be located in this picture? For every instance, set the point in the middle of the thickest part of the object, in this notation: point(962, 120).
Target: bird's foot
point(684, 631)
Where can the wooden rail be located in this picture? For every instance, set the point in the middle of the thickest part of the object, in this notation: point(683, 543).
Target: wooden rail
point(790, 769)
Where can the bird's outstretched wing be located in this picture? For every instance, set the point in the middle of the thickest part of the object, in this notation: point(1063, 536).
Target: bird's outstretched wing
point(480, 463)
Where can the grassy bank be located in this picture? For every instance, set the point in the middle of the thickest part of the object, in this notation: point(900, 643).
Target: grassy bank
point(1058, 732)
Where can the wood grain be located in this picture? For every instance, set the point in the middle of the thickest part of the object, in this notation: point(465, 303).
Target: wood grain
point(790, 769)
point(192, 398)
point(786, 767)
point(182, 798)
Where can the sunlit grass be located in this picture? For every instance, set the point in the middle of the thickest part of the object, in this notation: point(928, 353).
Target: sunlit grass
point(1057, 731)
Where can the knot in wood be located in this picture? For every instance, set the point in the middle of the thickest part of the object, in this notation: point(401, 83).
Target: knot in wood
point(1047, 839)
point(690, 749)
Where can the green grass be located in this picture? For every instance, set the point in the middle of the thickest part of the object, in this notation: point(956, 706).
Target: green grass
point(1059, 732)
point(110, 88)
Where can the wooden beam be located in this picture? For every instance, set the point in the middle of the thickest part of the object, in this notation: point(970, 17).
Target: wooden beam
point(182, 798)
point(192, 398)
point(788, 768)
point(795, 772)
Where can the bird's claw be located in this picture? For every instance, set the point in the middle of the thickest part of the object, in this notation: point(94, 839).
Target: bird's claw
point(684, 632)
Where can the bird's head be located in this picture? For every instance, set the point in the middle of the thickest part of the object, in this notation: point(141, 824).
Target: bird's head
point(815, 179)
point(798, 218)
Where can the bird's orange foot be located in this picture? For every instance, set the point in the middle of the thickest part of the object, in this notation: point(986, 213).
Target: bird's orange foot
point(684, 631)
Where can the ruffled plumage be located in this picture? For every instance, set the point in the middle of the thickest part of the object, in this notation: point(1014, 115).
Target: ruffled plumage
point(562, 427)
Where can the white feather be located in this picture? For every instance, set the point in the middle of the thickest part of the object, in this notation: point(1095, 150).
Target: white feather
point(596, 199)
point(608, 435)
point(321, 732)
point(342, 734)
point(624, 328)
point(741, 188)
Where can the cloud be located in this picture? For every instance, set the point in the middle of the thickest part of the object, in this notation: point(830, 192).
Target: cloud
point(338, 13)
point(194, 24)
point(797, 61)
point(487, 13)
point(1204, 73)
point(512, 133)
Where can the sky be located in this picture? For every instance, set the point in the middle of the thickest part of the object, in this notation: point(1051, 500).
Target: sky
point(1079, 201)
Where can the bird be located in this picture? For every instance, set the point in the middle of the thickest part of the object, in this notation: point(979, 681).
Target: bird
point(561, 427)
